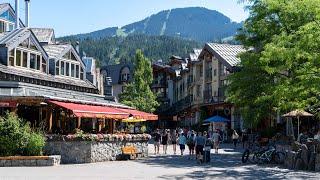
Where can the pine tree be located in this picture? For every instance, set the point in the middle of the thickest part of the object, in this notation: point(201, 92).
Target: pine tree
point(138, 94)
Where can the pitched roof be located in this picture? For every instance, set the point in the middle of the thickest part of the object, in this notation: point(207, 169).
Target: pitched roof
point(226, 52)
point(46, 77)
point(13, 38)
point(113, 71)
point(44, 35)
point(56, 50)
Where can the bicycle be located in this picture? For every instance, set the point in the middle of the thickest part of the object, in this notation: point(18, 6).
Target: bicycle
point(250, 152)
point(270, 155)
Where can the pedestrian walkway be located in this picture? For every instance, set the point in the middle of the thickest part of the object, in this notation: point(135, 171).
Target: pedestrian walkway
point(226, 165)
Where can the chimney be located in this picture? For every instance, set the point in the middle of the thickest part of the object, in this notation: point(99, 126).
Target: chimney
point(17, 25)
point(27, 16)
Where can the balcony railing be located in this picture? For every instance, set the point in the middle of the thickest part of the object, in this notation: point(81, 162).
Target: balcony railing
point(214, 100)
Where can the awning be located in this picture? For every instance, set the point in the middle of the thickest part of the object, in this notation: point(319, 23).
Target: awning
point(132, 120)
point(140, 115)
point(92, 111)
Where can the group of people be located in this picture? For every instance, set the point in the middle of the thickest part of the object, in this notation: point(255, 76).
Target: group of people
point(195, 141)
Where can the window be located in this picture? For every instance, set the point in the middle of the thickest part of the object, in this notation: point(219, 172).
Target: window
point(62, 67)
point(38, 62)
point(25, 59)
point(57, 68)
point(215, 72)
point(72, 71)
point(81, 74)
point(18, 57)
point(11, 57)
point(77, 71)
point(44, 65)
point(67, 69)
point(32, 61)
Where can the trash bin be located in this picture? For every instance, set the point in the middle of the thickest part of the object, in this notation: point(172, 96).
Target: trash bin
point(206, 154)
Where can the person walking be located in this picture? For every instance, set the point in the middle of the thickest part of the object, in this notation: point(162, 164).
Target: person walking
point(244, 138)
point(174, 139)
point(216, 140)
point(157, 138)
point(235, 138)
point(182, 143)
point(199, 143)
point(191, 144)
point(164, 142)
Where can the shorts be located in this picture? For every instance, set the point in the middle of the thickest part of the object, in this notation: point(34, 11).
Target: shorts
point(164, 143)
point(174, 142)
point(191, 146)
point(157, 143)
point(182, 146)
point(199, 149)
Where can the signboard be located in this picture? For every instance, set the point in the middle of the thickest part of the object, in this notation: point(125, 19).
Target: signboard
point(8, 104)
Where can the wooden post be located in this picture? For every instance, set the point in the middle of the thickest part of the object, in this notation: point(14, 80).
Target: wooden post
point(79, 123)
point(49, 116)
point(99, 125)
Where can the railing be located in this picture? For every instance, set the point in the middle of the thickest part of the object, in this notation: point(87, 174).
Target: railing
point(214, 100)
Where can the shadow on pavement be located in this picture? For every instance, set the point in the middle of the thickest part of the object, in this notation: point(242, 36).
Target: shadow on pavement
point(223, 166)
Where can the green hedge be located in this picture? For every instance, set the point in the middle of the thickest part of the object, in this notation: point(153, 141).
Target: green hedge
point(17, 138)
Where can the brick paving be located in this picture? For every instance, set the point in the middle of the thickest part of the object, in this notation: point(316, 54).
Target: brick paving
point(226, 165)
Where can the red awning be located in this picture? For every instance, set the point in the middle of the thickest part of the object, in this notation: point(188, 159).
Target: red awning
point(92, 111)
point(140, 115)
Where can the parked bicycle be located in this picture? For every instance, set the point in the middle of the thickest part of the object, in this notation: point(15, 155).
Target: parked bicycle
point(270, 155)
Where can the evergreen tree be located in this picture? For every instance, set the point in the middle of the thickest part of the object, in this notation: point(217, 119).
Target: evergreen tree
point(138, 94)
point(281, 69)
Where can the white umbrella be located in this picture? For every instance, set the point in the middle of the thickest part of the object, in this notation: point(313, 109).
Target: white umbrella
point(298, 113)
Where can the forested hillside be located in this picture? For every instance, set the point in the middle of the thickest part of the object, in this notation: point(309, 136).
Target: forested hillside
point(194, 23)
point(113, 50)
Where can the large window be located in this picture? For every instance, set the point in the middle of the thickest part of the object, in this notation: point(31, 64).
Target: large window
point(32, 61)
point(81, 74)
point(73, 71)
point(25, 59)
point(44, 65)
point(77, 71)
point(58, 68)
point(18, 57)
point(62, 68)
point(67, 69)
point(11, 57)
point(38, 62)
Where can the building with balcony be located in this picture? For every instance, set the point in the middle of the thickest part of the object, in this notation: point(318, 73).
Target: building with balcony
point(199, 84)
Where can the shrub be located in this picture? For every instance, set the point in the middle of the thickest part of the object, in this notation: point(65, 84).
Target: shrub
point(35, 144)
point(16, 137)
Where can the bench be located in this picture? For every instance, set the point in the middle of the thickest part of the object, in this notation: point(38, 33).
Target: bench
point(130, 152)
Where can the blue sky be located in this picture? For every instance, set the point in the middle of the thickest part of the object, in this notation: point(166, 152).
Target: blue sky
point(81, 16)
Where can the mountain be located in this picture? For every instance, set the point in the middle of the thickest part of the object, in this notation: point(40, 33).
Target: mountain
point(113, 50)
point(194, 23)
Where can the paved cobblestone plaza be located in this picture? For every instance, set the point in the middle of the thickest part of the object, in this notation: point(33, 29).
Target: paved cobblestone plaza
point(226, 165)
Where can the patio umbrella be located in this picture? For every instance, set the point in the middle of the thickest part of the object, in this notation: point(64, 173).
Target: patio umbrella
point(216, 119)
point(298, 113)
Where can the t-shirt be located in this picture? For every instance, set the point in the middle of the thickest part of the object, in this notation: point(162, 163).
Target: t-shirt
point(182, 139)
point(157, 137)
point(200, 140)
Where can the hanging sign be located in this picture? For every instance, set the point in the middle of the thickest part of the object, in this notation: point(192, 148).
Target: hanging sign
point(8, 104)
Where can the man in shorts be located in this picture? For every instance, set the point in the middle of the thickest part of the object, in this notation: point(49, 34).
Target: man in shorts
point(216, 140)
point(182, 143)
point(157, 139)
